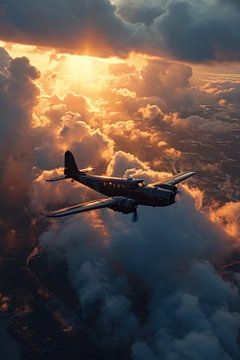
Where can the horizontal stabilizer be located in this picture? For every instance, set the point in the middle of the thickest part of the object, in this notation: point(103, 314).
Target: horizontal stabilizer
point(86, 170)
point(58, 178)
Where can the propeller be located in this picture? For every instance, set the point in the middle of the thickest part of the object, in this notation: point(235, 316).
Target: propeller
point(135, 216)
point(178, 192)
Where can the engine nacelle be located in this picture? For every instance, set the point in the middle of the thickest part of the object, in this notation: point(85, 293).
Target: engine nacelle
point(172, 188)
point(125, 206)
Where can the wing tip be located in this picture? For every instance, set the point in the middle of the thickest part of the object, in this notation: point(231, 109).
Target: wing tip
point(48, 215)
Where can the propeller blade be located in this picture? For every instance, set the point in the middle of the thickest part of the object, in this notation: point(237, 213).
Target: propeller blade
point(135, 216)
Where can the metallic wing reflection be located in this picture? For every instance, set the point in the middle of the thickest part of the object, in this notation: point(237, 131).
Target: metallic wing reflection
point(87, 206)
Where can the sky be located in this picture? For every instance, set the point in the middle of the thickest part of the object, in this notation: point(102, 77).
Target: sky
point(140, 89)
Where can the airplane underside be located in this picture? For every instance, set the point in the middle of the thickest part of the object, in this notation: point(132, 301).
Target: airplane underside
point(141, 197)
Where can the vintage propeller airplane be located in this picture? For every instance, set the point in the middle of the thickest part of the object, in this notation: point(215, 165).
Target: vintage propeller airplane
point(124, 195)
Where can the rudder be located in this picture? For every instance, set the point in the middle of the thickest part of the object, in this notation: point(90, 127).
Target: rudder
point(70, 166)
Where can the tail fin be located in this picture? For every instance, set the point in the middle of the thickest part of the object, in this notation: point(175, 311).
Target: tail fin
point(70, 165)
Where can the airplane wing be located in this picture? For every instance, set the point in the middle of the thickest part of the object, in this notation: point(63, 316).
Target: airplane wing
point(175, 179)
point(87, 206)
point(58, 178)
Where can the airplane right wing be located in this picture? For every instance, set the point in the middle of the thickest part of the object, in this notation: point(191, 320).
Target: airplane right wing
point(174, 180)
point(87, 206)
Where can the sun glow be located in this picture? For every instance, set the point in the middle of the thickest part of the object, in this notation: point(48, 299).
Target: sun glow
point(84, 73)
point(69, 73)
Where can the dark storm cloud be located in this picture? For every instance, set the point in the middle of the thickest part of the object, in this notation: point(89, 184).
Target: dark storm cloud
point(183, 29)
point(189, 30)
point(18, 96)
point(86, 26)
point(140, 11)
point(199, 31)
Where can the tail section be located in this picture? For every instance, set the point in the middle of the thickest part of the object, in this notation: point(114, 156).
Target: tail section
point(70, 166)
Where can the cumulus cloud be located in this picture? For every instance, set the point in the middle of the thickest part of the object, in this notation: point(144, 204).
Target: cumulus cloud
point(67, 130)
point(151, 288)
point(188, 30)
point(45, 195)
point(228, 216)
point(150, 112)
point(30, 145)
point(18, 96)
point(163, 83)
point(121, 162)
point(5, 60)
point(198, 123)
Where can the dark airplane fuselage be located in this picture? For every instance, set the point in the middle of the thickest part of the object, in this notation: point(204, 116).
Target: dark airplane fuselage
point(129, 188)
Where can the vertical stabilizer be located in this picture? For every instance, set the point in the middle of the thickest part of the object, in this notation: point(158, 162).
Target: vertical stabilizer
point(70, 166)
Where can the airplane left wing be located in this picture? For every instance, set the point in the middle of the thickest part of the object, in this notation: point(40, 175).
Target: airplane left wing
point(175, 179)
point(87, 206)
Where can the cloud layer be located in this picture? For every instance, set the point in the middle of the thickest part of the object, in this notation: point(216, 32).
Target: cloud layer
point(182, 29)
point(151, 290)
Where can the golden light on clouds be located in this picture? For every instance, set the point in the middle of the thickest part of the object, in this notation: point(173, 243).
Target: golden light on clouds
point(84, 73)
point(81, 74)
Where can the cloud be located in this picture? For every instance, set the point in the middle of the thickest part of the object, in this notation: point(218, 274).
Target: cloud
point(183, 29)
point(5, 60)
point(197, 123)
point(150, 112)
point(18, 96)
point(89, 26)
point(228, 216)
point(188, 30)
point(123, 161)
point(149, 289)
point(29, 146)
point(162, 83)
point(66, 130)
point(152, 287)
point(9, 348)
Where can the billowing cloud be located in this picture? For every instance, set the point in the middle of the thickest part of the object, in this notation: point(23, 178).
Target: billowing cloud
point(18, 96)
point(188, 30)
point(183, 29)
point(229, 217)
point(86, 27)
point(151, 289)
point(198, 123)
point(5, 60)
